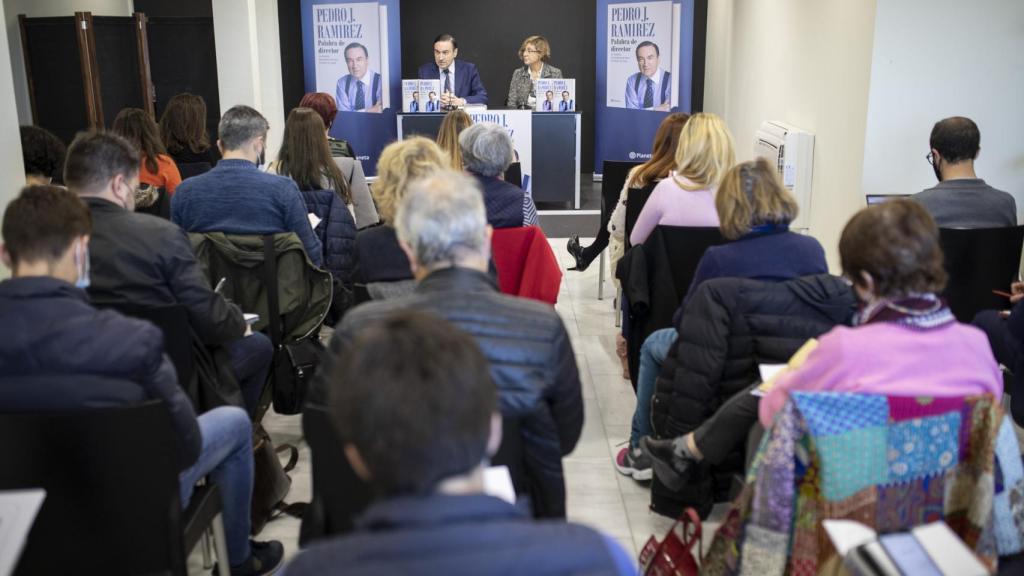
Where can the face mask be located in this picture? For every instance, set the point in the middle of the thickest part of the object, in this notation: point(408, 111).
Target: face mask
point(82, 265)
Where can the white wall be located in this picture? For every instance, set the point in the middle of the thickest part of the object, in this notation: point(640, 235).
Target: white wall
point(10, 140)
point(43, 8)
point(807, 63)
point(939, 58)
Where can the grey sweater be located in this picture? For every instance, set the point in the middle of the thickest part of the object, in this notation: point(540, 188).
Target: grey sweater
point(968, 203)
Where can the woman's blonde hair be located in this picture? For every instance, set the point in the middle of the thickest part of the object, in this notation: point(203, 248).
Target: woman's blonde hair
point(539, 43)
point(400, 163)
point(705, 151)
point(750, 195)
point(448, 136)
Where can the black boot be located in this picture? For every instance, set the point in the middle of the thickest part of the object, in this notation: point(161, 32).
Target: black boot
point(576, 251)
point(671, 469)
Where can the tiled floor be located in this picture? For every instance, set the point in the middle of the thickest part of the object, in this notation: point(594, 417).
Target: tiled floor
point(597, 495)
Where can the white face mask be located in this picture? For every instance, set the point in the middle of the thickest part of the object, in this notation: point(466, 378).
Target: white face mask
point(82, 265)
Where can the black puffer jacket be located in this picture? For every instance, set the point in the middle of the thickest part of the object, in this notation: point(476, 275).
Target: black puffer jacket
point(730, 326)
point(532, 363)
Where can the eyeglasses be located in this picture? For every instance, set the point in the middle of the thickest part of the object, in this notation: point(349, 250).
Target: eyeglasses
point(532, 51)
point(930, 158)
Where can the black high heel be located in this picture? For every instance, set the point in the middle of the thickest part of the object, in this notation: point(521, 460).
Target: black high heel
point(576, 251)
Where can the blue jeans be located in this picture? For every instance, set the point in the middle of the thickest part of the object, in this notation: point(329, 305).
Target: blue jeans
point(652, 355)
point(250, 361)
point(226, 456)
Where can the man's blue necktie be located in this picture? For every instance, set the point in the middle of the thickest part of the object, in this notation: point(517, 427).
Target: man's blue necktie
point(649, 95)
point(447, 81)
point(360, 96)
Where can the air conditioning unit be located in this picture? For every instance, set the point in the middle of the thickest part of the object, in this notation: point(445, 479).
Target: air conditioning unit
point(791, 150)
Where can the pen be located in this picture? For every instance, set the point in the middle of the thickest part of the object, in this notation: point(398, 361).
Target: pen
point(220, 284)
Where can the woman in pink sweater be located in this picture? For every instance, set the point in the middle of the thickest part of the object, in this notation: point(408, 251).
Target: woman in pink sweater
point(905, 342)
point(687, 196)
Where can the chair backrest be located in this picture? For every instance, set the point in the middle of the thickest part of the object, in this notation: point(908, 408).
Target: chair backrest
point(112, 497)
point(525, 263)
point(190, 169)
point(613, 178)
point(634, 204)
point(979, 260)
point(514, 174)
point(178, 341)
point(685, 246)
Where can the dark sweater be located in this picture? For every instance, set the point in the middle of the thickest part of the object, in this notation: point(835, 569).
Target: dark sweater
point(236, 198)
point(968, 203)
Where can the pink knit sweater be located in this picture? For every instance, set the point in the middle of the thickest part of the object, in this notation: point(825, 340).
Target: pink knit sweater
point(671, 205)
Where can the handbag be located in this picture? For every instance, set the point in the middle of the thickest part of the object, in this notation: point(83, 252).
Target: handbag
point(295, 363)
point(271, 482)
point(673, 556)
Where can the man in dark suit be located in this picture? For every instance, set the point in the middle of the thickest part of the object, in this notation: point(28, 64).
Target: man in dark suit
point(460, 81)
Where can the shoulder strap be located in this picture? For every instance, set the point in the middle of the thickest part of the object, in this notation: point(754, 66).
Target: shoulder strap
point(636, 85)
point(348, 84)
point(270, 284)
point(376, 87)
point(666, 79)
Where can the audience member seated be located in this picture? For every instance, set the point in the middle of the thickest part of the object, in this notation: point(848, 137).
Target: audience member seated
point(755, 210)
point(905, 340)
point(454, 123)
point(305, 158)
point(486, 153)
point(663, 160)
point(341, 151)
point(961, 199)
point(157, 169)
point(327, 107)
point(381, 265)
point(147, 261)
point(51, 331)
point(43, 154)
point(427, 464)
point(183, 129)
point(443, 229)
point(687, 196)
point(236, 197)
point(1005, 333)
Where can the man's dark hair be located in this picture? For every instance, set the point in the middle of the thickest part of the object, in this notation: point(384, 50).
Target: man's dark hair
point(95, 158)
point(41, 223)
point(956, 138)
point(239, 125)
point(446, 38)
point(43, 153)
point(354, 45)
point(414, 395)
point(657, 51)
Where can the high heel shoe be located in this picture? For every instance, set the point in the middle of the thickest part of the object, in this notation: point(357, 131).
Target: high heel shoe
point(576, 251)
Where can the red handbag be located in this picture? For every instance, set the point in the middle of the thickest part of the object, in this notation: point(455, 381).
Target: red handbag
point(673, 556)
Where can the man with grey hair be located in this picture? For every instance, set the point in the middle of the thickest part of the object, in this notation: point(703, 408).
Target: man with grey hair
point(235, 197)
point(486, 153)
point(442, 227)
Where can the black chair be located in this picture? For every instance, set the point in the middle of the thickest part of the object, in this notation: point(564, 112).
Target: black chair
point(112, 498)
point(190, 169)
point(178, 339)
point(637, 198)
point(514, 174)
point(613, 178)
point(978, 261)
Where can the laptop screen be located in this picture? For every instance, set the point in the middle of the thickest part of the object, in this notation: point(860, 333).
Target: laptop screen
point(879, 198)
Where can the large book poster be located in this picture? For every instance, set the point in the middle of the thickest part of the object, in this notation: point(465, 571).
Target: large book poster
point(519, 124)
point(555, 94)
point(351, 61)
point(640, 56)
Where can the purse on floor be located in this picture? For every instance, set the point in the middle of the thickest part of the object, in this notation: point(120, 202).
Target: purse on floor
point(673, 556)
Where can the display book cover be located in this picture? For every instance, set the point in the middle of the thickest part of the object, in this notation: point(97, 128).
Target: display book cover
point(421, 96)
point(555, 94)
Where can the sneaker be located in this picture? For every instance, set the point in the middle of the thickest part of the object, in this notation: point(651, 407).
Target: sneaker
point(266, 558)
point(671, 470)
point(633, 463)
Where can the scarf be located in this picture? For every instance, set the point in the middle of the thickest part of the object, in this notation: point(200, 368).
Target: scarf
point(922, 311)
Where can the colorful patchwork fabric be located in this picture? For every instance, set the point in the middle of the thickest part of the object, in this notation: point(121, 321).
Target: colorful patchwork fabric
point(891, 463)
point(923, 446)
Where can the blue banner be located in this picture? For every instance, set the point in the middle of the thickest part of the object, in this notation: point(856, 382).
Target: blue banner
point(644, 71)
point(352, 51)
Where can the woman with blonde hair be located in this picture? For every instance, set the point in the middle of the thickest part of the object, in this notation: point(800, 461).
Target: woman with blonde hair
point(687, 197)
point(380, 263)
point(448, 136)
point(534, 52)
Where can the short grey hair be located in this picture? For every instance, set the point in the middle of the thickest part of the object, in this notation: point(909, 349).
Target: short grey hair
point(239, 125)
point(486, 149)
point(443, 220)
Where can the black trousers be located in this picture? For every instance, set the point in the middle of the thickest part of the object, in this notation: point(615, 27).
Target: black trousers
point(600, 243)
point(729, 427)
point(1007, 351)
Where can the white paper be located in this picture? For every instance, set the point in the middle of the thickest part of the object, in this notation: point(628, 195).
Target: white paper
point(18, 509)
point(848, 534)
point(314, 220)
point(250, 318)
point(498, 483)
point(768, 371)
point(948, 552)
